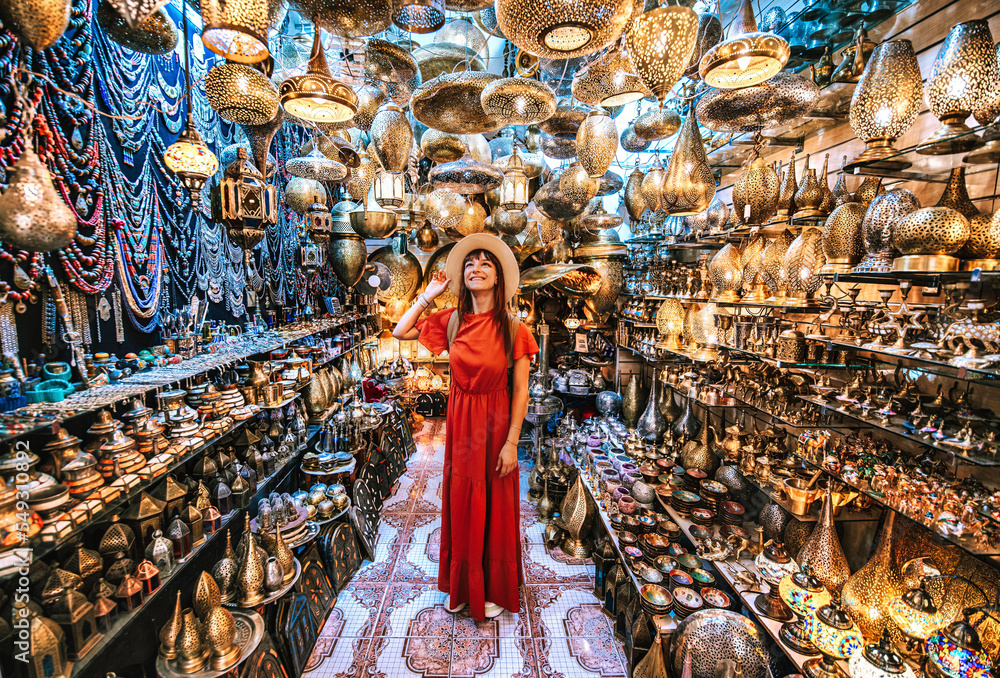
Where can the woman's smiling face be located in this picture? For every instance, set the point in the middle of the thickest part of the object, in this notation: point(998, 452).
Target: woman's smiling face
point(480, 274)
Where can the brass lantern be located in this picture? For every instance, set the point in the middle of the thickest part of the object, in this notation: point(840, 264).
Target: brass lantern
point(609, 81)
point(241, 94)
point(47, 657)
point(726, 270)
point(748, 58)
point(316, 96)
point(803, 261)
point(318, 223)
point(392, 138)
point(652, 186)
point(563, 29)
point(960, 82)
point(660, 43)
point(418, 16)
point(317, 167)
point(389, 189)
point(75, 615)
point(688, 185)
point(514, 190)
point(40, 25)
point(755, 195)
point(518, 101)
point(236, 29)
point(596, 143)
point(928, 237)
point(248, 202)
point(144, 516)
point(843, 241)
point(635, 203)
point(886, 100)
point(576, 184)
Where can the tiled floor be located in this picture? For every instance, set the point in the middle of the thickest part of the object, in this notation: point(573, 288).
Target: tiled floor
point(390, 620)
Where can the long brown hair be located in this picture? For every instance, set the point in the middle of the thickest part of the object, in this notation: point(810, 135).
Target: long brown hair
point(501, 319)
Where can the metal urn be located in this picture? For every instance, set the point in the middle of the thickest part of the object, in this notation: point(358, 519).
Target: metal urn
point(652, 424)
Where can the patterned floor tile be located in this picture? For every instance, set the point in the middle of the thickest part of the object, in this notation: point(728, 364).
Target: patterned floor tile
point(417, 657)
point(541, 568)
point(566, 610)
point(402, 500)
point(358, 605)
point(414, 609)
point(417, 561)
point(430, 491)
point(337, 657)
point(495, 657)
point(579, 658)
point(378, 571)
point(507, 625)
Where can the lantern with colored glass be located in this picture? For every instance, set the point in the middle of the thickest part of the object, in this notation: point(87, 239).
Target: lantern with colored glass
point(514, 189)
point(879, 660)
point(774, 563)
point(957, 652)
point(804, 594)
point(389, 189)
point(916, 615)
point(836, 637)
point(249, 204)
point(319, 222)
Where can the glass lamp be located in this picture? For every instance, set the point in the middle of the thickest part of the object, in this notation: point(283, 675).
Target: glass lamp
point(879, 660)
point(960, 82)
point(747, 58)
point(957, 652)
point(774, 563)
point(514, 190)
point(389, 189)
point(887, 99)
point(915, 613)
point(316, 96)
point(836, 637)
point(660, 43)
point(236, 29)
point(804, 594)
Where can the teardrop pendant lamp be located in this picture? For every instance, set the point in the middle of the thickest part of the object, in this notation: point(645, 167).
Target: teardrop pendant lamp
point(316, 96)
point(747, 58)
point(660, 43)
point(689, 185)
point(236, 29)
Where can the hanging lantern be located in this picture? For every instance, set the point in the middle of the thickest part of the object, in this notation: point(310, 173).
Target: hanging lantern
point(301, 193)
point(418, 16)
point(319, 222)
point(316, 96)
point(312, 255)
point(236, 29)
point(188, 157)
point(652, 186)
point(961, 81)
point(444, 208)
point(248, 202)
point(688, 184)
point(635, 203)
point(514, 189)
point(392, 137)
point(576, 185)
point(596, 143)
point(39, 25)
point(317, 167)
point(660, 43)
point(241, 94)
point(33, 215)
point(155, 35)
point(389, 189)
point(610, 81)
point(747, 58)
point(562, 29)
point(518, 101)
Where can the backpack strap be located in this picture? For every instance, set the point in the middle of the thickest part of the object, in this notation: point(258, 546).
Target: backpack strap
point(513, 326)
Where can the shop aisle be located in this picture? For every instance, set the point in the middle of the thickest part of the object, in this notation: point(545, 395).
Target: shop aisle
point(390, 620)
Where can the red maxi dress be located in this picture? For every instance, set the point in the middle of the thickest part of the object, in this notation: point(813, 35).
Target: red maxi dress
point(480, 512)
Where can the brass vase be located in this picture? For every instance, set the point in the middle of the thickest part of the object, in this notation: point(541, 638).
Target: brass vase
point(687, 425)
point(285, 557)
point(652, 424)
point(578, 517)
point(33, 215)
point(822, 551)
point(868, 592)
point(633, 401)
point(809, 196)
point(546, 507)
point(956, 195)
point(668, 406)
point(224, 571)
point(698, 453)
point(786, 195)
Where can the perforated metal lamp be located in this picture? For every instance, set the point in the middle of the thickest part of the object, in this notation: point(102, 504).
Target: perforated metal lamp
point(660, 43)
point(748, 57)
point(236, 29)
point(316, 96)
point(188, 157)
point(249, 204)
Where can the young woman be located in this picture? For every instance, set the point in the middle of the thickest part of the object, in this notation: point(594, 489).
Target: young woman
point(480, 563)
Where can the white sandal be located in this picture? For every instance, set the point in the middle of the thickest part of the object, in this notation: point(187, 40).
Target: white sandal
point(447, 606)
point(493, 610)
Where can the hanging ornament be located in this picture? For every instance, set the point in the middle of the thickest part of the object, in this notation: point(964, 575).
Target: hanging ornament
point(392, 137)
point(688, 185)
point(33, 216)
point(576, 184)
point(236, 29)
point(562, 29)
point(597, 143)
point(248, 202)
point(660, 43)
point(155, 35)
point(316, 96)
point(37, 24)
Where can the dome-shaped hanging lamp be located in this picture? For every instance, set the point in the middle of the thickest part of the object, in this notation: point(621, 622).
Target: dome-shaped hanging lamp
point(316, 96)
point(747, 58)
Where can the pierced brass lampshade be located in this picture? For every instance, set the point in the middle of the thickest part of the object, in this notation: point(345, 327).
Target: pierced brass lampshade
point(786, 193)
point(726, 270)
point(688, 184)
point(660, 43)
point(236, 29)
point(562, 29)
point(349, 18)
point(609, 81)
point(418, 16)
point(444, 208)
point(635, 203)
point(392, 137)
point(886, 100)
point(755, 194)
point(155, 34)
point(747, 58)
point(785, 97)
point(596, 143)
point(370, 98)
point(452, 103)
point(317, 167)
point(928, 237)
point(670, 323)
point(518, 101)
point(876, 230)
point(773, 265)
point(960, 82)
point(657, 124)
point(576, 184)
point(709, 35)
point(316, 96)
point(652, 186)
point(803, 261)
point(241, 94)
point(842, 238)
point(632, 142)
